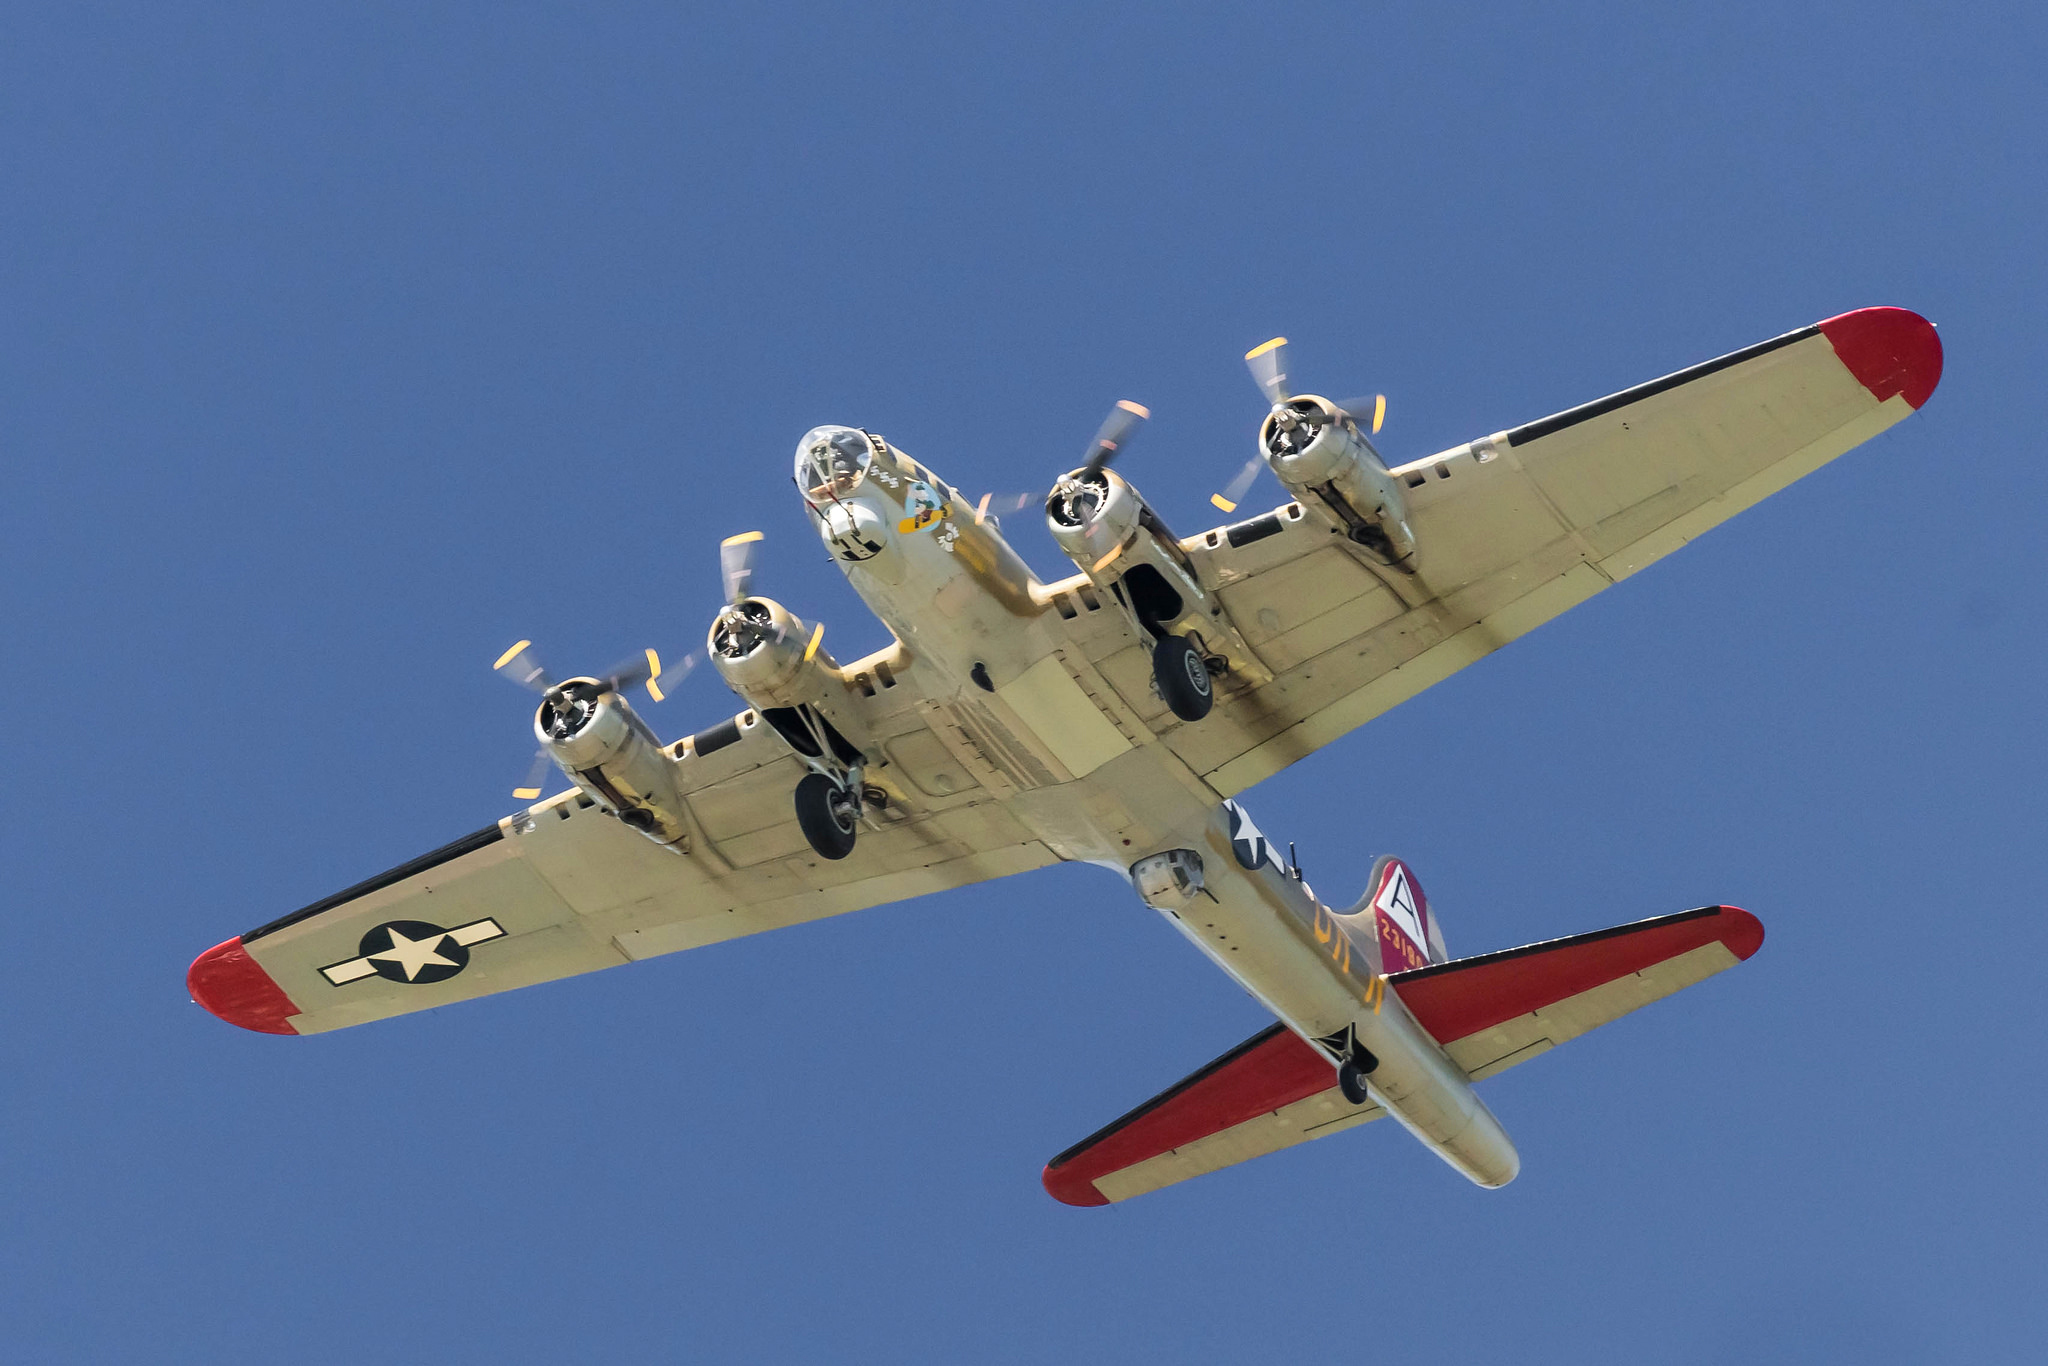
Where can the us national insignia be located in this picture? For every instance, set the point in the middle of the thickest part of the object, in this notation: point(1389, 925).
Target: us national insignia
point(413, 951)
point(1245, 840)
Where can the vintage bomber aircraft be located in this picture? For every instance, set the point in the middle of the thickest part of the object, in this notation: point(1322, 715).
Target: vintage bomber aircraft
point(1113, 718)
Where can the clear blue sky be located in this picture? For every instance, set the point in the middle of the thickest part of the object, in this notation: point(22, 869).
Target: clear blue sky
point(340, 349)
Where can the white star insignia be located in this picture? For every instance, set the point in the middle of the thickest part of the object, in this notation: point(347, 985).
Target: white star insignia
point(413, 954)
point(410, 956)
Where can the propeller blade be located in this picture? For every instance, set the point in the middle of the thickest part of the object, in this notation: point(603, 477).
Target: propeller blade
point(1358, 408)
point(1230, 497)
point(632, 671)
point(522, 666)
point(1268, 362)
point(998, 504)
point(661, 681)
point(1116, 429)
point(530, 789)
point(736, 563)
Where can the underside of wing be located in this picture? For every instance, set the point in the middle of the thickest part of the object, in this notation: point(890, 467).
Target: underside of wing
point(1520, 526)
point(562, 888)
point(1500, 1009)
point(1270, 1092)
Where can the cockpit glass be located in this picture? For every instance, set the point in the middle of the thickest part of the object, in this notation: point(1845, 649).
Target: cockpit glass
point(832, 461)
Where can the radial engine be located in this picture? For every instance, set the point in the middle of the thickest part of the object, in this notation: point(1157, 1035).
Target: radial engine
point(1332, 469)
point(595, 736)
point(770, 657)
point(1108, 529)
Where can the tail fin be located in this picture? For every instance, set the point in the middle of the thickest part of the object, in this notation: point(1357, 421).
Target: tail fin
point(1407, 933)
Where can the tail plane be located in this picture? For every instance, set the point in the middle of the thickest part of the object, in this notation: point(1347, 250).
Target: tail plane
point(1488, 1014)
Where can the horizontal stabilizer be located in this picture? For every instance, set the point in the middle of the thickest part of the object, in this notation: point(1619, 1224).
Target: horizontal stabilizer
point(1491, 1012)
point(1270, 1092)
point(1500, 1009)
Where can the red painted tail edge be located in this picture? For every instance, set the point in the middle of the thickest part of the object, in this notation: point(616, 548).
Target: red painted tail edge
point(1889, 351)
point(1744, 934)
point(1458, 999)
point(234, 986)
point(1071, 1188)
point(1269, 1070)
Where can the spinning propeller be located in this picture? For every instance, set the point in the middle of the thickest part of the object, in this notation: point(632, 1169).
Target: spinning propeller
point(736, 564)
point(1268, 364)
point(1116, 429)
point(1081, 493)
point(522, 665)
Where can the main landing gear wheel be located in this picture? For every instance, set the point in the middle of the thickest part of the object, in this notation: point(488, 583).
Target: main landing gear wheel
point(1351, 1082)
point(827, 814)
point(1182, 677)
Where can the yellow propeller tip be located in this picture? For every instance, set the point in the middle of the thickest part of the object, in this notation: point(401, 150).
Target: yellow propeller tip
point(526, 794)
point(507, 657)
point(742, 538)
point(1220, 501)
point(1379, 413)
point(1140, 409)
point(816, 636)
point(1263, 347)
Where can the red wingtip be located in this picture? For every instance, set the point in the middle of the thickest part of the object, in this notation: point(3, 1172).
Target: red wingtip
point(1889, 350)
point(234, 986)
point(1070, 1188)
point(1744, 933)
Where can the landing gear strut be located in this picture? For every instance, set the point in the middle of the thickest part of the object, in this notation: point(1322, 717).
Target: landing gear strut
point(1352, 1072)
point(828, 812)
point(1182, 677)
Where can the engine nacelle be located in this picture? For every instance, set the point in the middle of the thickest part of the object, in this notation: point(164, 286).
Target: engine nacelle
point(594, 736)
point(1093, 514)
point(1119, 542)
point(1330, 467)
point(764, 652)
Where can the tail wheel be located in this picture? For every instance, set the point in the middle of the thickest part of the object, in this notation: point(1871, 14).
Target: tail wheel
point(1351, 1082)
point(828, 815)
point(1182, 678)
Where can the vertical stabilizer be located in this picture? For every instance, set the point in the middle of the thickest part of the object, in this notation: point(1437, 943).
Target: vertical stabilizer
point(1407, 933)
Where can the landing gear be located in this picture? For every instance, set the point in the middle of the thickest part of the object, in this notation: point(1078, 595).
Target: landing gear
point(1351, 1082)
point(829, 815)
point(1182, 678)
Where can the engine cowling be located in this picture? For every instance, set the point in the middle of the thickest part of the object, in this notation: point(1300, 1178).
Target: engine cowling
point(763, 651)
point(596, 738)
point(1330, 467)
point(1093, 514)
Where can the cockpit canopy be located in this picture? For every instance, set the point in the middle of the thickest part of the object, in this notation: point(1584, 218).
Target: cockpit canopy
point(832, 461)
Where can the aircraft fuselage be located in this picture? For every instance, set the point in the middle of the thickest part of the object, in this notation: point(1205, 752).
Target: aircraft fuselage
point(970, 613)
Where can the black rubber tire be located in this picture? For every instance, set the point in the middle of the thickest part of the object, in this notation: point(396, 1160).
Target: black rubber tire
point(1352, 1083)
point(826, 816)
point(1182, 678)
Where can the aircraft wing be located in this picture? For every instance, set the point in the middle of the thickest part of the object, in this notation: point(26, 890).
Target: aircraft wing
point(1490, 1013)
point(1513, 530)
point(561, 888)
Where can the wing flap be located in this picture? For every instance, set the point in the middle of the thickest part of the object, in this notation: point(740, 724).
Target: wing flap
point(1498, 1010)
